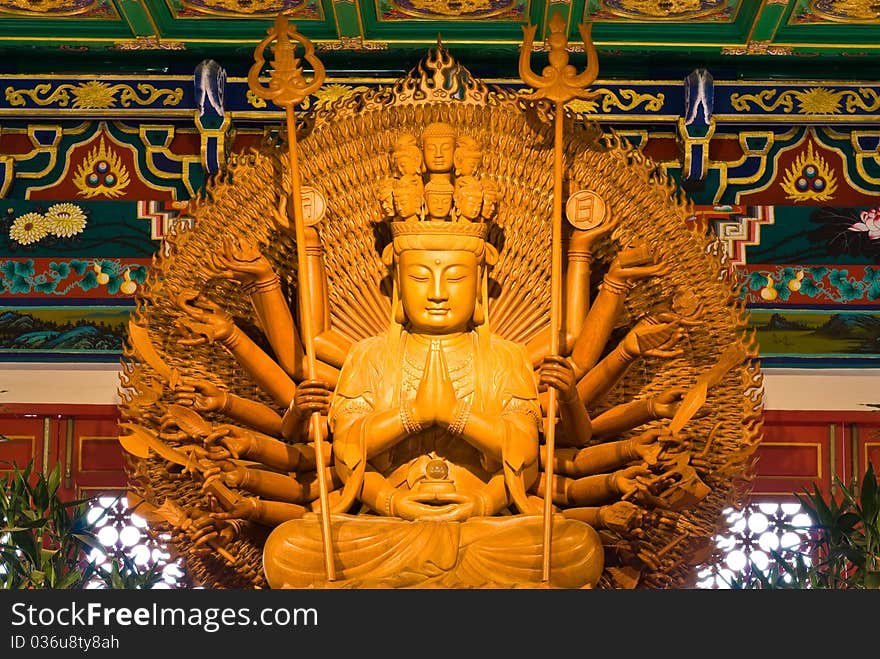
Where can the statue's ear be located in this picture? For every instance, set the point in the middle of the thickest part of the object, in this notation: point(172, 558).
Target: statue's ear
point(491, 255)
point(388, 255)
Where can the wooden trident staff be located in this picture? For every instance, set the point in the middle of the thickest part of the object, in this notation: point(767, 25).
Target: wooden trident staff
point(558, 83)
point(286, 88)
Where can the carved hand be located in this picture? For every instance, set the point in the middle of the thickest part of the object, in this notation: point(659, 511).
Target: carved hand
point(435, 398)
point(623, 274)
point(632, 481)
point(556, 371)
point(201, 395)
point(242, 262)
point(583, 239)
point(312, 396)
point(665, 404)
point(620, 516)
point(237, 441)
point(208, 322)
point(205, 529)
point(650, 340)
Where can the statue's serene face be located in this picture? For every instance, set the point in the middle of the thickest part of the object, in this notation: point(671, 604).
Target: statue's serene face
point(438, 289)
point(439, 151)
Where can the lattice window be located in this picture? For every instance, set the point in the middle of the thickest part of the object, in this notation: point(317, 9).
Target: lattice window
point(126, 533)
point(753, 532)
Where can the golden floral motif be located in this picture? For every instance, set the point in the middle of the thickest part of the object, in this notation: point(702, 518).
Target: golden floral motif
point(101, 173)
point(457, 9)
point(330, 93)
point(65, 220)
point(254, 100)
point(652, 9)
point(51, 8)
point(846, 11)
point(757, 48)
point(149, 43)
point(245, 7)
point(812, 101)
point(28, 228)
point(92, 95)
point(626, 100)
point(810, 178)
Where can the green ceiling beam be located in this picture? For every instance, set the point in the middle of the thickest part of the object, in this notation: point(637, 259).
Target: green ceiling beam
point(138, 18)
point(346, 15)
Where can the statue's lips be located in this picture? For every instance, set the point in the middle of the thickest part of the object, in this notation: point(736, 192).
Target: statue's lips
point(437, 312)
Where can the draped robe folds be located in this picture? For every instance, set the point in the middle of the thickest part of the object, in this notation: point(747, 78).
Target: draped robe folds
point(500, 546)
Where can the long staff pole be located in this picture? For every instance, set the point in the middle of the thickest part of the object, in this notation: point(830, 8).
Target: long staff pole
point(559, 84)
point(287, 87)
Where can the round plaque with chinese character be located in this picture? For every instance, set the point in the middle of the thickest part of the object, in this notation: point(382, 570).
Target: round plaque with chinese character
point(313, 205)
point(585, 210)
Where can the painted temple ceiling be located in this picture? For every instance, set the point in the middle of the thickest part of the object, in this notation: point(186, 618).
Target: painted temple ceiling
point(113, 113)
point(373, 35)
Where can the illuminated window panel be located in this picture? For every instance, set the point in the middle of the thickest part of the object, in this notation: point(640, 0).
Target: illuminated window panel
point(753, 533)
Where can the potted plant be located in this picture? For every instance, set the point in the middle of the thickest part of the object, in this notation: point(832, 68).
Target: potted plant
point(45, 541)
point(842, 549)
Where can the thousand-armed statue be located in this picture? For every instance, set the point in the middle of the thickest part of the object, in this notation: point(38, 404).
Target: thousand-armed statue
point(440, 335)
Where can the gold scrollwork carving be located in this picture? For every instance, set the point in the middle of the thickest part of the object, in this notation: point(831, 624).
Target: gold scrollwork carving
point(624, 99)
point(816, 100)
point(92, 95)
point(254, 100)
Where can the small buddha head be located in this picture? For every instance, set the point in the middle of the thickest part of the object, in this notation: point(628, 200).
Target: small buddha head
point(468, 198)
point(439, 274)
point(438, 147)
point(407, 156)
point(438, 199)
point(467, 156)
point(408, 193)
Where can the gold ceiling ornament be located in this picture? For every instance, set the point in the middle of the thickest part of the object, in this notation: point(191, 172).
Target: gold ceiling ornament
point(148, 43)
point(846, 11)
point(101, 173)
point(809, 178)
point(663, 9)
point(757, 48)
point(461, 10)
point(49, 8)
point(250, 8)
point(811, 101)
point(93, 95)
point(432, 419)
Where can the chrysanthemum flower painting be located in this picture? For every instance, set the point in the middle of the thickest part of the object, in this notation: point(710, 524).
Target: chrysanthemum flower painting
point(28, 228)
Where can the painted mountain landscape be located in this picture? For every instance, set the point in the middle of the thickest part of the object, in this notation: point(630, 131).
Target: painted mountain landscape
point(812, 333)
point(34, 332)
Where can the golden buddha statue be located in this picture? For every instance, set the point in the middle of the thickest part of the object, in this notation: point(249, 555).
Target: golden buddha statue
point(429, 402)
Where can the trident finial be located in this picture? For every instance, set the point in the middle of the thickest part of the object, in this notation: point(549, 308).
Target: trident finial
point(287, 86)
point(558, 82)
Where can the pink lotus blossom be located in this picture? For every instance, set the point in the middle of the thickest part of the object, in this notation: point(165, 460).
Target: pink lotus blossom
point(870, 223)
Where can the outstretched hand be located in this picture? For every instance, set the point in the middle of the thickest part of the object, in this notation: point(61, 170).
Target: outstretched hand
point(654, 340)
point(244, 263)
point(627, 267)
point(201, 395)
point(207, 321)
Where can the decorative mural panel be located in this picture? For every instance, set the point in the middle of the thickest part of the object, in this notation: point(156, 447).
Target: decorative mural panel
point(58, 8)
point(673, 10)
point(453, 10)
point(62, 333)
point(265, 9)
